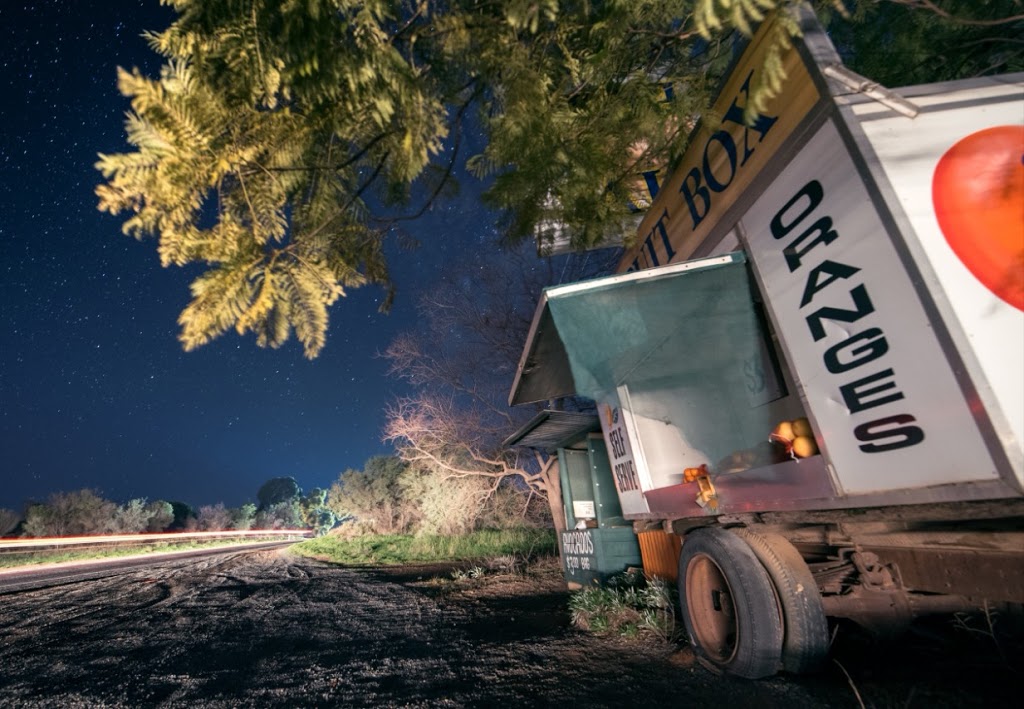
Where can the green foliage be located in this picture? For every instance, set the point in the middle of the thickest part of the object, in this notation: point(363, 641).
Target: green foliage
point(242, 518)
point(447, 505)
point(276, 490)
point(282, 515)
point(374, 497)
point(316, 515)
point(161, 515)
point(628, 605)
point(899, 45)
point(404, 549)
point(321, 520)
point(182, 514)
point(390, 496)
point(132, 517)
point(256, 149)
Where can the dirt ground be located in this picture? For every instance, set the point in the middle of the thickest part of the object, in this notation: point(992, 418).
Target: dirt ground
point(274, 629)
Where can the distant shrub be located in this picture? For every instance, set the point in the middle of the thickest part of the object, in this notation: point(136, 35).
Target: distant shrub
point(213, 518)
point(375, 497)
point(9, 519)
point(70, 513)
point(243, 517)
point(161, 515)
point(283, 515)
point(132, 517)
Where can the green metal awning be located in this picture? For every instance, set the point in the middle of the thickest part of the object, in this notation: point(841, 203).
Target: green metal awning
point(550, 430)
point(690, 321)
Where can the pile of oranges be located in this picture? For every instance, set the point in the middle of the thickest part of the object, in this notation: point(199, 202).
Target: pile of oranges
point(796, 436)
point(691, 474)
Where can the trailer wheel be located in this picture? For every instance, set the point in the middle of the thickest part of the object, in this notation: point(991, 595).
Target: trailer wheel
point(728, 604)
point(805, 629)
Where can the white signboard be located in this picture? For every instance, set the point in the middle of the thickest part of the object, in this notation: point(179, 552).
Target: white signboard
point(888, 411)
point(583, 509)
point(958, 172)
point(624, 465)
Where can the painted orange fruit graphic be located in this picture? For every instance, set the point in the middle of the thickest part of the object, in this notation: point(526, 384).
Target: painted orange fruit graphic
point(978, 194)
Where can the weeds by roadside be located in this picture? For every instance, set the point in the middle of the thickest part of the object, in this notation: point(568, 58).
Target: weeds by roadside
point(628, 606)
point(496, 545)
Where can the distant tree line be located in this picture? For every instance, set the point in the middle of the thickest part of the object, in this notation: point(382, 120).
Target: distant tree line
point(82, 512)
point(392, 496)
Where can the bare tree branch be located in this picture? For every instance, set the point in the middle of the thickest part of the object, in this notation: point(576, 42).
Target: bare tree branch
point(931, 6)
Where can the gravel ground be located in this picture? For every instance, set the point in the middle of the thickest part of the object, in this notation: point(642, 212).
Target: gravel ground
point(273, 629)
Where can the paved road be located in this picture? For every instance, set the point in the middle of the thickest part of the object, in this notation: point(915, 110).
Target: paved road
point(45, 575)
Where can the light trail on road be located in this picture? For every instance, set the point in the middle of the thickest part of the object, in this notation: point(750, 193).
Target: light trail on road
point(30, 578)
point(145, 538)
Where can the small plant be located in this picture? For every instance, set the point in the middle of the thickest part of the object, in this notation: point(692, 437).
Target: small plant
point(629, 605)
point(506, 564)
point(477, 572)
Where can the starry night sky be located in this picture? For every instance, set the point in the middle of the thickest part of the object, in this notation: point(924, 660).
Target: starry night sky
point(95, 390)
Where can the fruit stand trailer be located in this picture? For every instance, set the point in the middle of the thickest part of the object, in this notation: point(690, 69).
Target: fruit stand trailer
point(809, 370)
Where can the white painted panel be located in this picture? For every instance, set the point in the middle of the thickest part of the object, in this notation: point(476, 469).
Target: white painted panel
point(909, 152)
point(890, 414)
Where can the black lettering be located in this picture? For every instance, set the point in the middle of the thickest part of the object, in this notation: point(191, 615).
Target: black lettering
point(762, 124)
point(660, 228)
point(905, 436)
point(813, 193)
point(626, 476)
point(697, 191)
point(861, 302)
point(613, 438)
point(649, 245)
point(861, 395)
point(825, 234)
point(833, 270)
point(725, 140)
point(873, 346)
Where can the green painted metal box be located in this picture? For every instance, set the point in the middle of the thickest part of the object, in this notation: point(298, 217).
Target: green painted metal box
point(599, 541)
point(591, 556)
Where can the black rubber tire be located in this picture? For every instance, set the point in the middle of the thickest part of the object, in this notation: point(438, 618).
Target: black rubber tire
point(728, 604)
point(805, 642)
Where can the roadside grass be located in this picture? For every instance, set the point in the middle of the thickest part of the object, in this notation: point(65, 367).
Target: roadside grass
point(407, 549)
point(12, 559)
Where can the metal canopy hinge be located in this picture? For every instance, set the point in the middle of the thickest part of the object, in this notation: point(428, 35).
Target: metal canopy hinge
point(859, 84)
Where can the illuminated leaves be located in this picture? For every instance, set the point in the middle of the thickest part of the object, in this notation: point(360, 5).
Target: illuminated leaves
point(257, 149)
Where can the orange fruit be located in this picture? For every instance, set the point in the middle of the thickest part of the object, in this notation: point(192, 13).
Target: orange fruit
point(802, 427)
point(804, 447)
point(784, 431)
point(978, 195)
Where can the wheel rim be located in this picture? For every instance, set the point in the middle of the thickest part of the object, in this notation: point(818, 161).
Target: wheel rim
point(711, 609)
